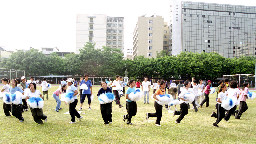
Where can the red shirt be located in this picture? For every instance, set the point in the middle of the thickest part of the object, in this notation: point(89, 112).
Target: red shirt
point(207, 89)
point(137, 84)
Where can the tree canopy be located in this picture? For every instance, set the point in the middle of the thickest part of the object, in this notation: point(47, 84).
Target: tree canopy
point(109, 62)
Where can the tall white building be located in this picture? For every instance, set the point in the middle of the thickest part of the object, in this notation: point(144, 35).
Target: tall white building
point(99, 29)
point(150, 37)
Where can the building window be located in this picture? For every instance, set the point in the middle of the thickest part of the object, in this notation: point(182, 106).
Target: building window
point(234, 47)
point(119, 37)
point(150, 28)
point(238, 48)
point(120, 25)
point(149, 41)
point(165, 42)
point(184, 19)
point(255, 53)
point(150, 34)
point(90, 33)
point(91, 19)
point(209, 41)
point(91, 26)
point(203, 16)
point(149, 54)
point(234, 52)
point(150, 21)
point(120, 31)
point(149, 47)
point(203, 50)
point(209, 46)
point(184, 10)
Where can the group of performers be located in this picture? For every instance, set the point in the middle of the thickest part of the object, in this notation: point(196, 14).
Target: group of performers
point(30, 94)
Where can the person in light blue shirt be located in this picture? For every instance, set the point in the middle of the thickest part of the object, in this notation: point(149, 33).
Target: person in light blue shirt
point(16, 109)
point(86, 93)
point(131, 106)
point(72, 106)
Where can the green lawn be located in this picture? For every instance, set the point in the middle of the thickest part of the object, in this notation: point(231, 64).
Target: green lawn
point(194, 128)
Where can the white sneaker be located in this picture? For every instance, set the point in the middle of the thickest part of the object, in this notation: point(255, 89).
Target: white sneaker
point(72, 122)
point(80, 118)
point(89, 108)
point(157, 124)
point(146, 116)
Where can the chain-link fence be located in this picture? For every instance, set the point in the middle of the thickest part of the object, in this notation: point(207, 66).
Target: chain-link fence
point(11, 73)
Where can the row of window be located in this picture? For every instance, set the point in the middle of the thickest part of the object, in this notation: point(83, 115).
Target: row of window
point(114, 31)
point(114, 37)
point(114, 25)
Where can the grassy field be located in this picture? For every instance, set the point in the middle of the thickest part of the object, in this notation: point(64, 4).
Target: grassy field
point(194, 128)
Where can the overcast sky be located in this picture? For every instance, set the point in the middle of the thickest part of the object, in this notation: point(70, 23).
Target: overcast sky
point(52, 23)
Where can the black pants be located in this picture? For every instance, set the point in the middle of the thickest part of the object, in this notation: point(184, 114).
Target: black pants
point(194, 105)
point(38, 115)
point(24, 105)
point(73, 112)
point(131, 108)
point(183, 111)
point(206, 99)
point(242, 108)
point(106, 112)
point(17, 111)
point(229, 113)
point(45, 93)
point(117, 96)
point(7, 109)
point(82, 98)
point(158, 112)
point(220, 113)
point(123, 90)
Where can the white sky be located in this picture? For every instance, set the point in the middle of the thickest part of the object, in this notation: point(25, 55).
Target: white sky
point(52, 23)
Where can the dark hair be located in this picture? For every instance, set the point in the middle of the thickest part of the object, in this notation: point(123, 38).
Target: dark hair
point(86, 75)
point(194, 81)
point(180, 82)
point(162, 82)
point(233, 84)
point(186, 83)
point(16, 83)
point(221, 87)
point(5, 79)
point(226, 80)
point(63, 87)
point(117, 76)
point(221, 81)
point(175, 90)
point(32, 78)
point(102, 82)
point(18, 80)
point(33, 85)
point(245, 85)
point(44, 79)
point(121, 77)
point(130, 82)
